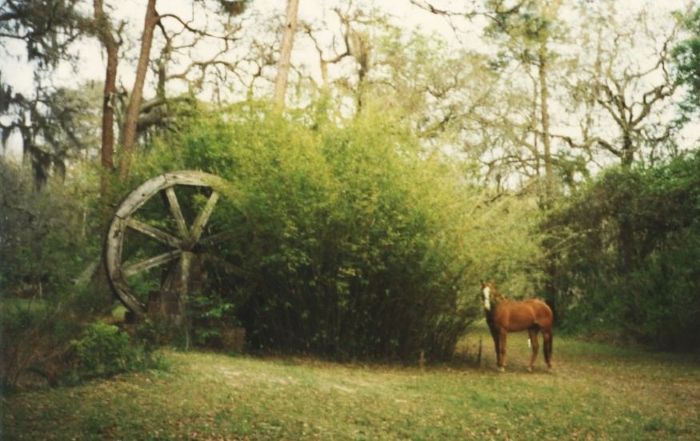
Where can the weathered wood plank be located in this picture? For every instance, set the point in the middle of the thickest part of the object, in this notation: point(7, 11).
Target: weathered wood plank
point(195, 178)
point(145, 191)
point(113, 247)
point(176, 211)
point(153, 232)
point(139, 196)
point(203, 217)
point(151, 262)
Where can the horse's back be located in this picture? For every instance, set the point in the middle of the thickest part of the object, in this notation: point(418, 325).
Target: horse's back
point(518, 316)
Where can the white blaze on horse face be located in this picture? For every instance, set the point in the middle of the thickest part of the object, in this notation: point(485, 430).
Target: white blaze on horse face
point(487, 298)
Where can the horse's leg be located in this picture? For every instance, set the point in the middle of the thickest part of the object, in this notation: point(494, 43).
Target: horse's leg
point(534, 343)
point(494, 335)
point(497, 346)
point(502, 337)
point(548, 338)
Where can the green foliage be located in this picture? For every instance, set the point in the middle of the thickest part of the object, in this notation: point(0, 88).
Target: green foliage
point(504, 244)
point(632, 247)
point(349, 241)
point(686, 56)
point(47, 28)
point(211, 314)
point(44, 242)
point(42, 344)
point(34, 343)
point(103, 350)
point(48, 255)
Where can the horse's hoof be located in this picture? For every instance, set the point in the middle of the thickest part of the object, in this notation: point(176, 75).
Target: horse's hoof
point(501, 369)
point(529, 369)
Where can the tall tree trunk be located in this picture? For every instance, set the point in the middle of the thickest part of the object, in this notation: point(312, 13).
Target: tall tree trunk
point(627, 154)
point(551, 259)
point(544, 120)
point(290, 28)
point(106, 36)
point(626, 241)
point(134, 106)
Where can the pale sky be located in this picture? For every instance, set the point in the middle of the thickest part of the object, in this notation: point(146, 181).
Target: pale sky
point(92, 64)
point(404, 13)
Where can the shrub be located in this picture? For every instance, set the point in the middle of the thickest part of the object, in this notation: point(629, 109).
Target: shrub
point(103, 350)
point(34, 341)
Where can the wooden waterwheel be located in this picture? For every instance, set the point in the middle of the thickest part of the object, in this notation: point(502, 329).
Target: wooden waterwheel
point(156, 240)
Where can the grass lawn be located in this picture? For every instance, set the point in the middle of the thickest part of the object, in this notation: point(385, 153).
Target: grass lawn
point(594, 392)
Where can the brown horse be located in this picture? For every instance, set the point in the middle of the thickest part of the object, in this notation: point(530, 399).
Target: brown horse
point(504, 315)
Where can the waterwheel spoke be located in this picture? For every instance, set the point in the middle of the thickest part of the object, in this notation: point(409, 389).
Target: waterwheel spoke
point(151, 262)
point(203, 217)
point(153, 232)
point(176, 211)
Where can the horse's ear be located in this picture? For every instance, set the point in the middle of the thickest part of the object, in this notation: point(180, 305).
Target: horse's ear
point(482, 283)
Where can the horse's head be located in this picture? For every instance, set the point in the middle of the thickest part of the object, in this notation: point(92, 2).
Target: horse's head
point(486, 290)
point(490, 296)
